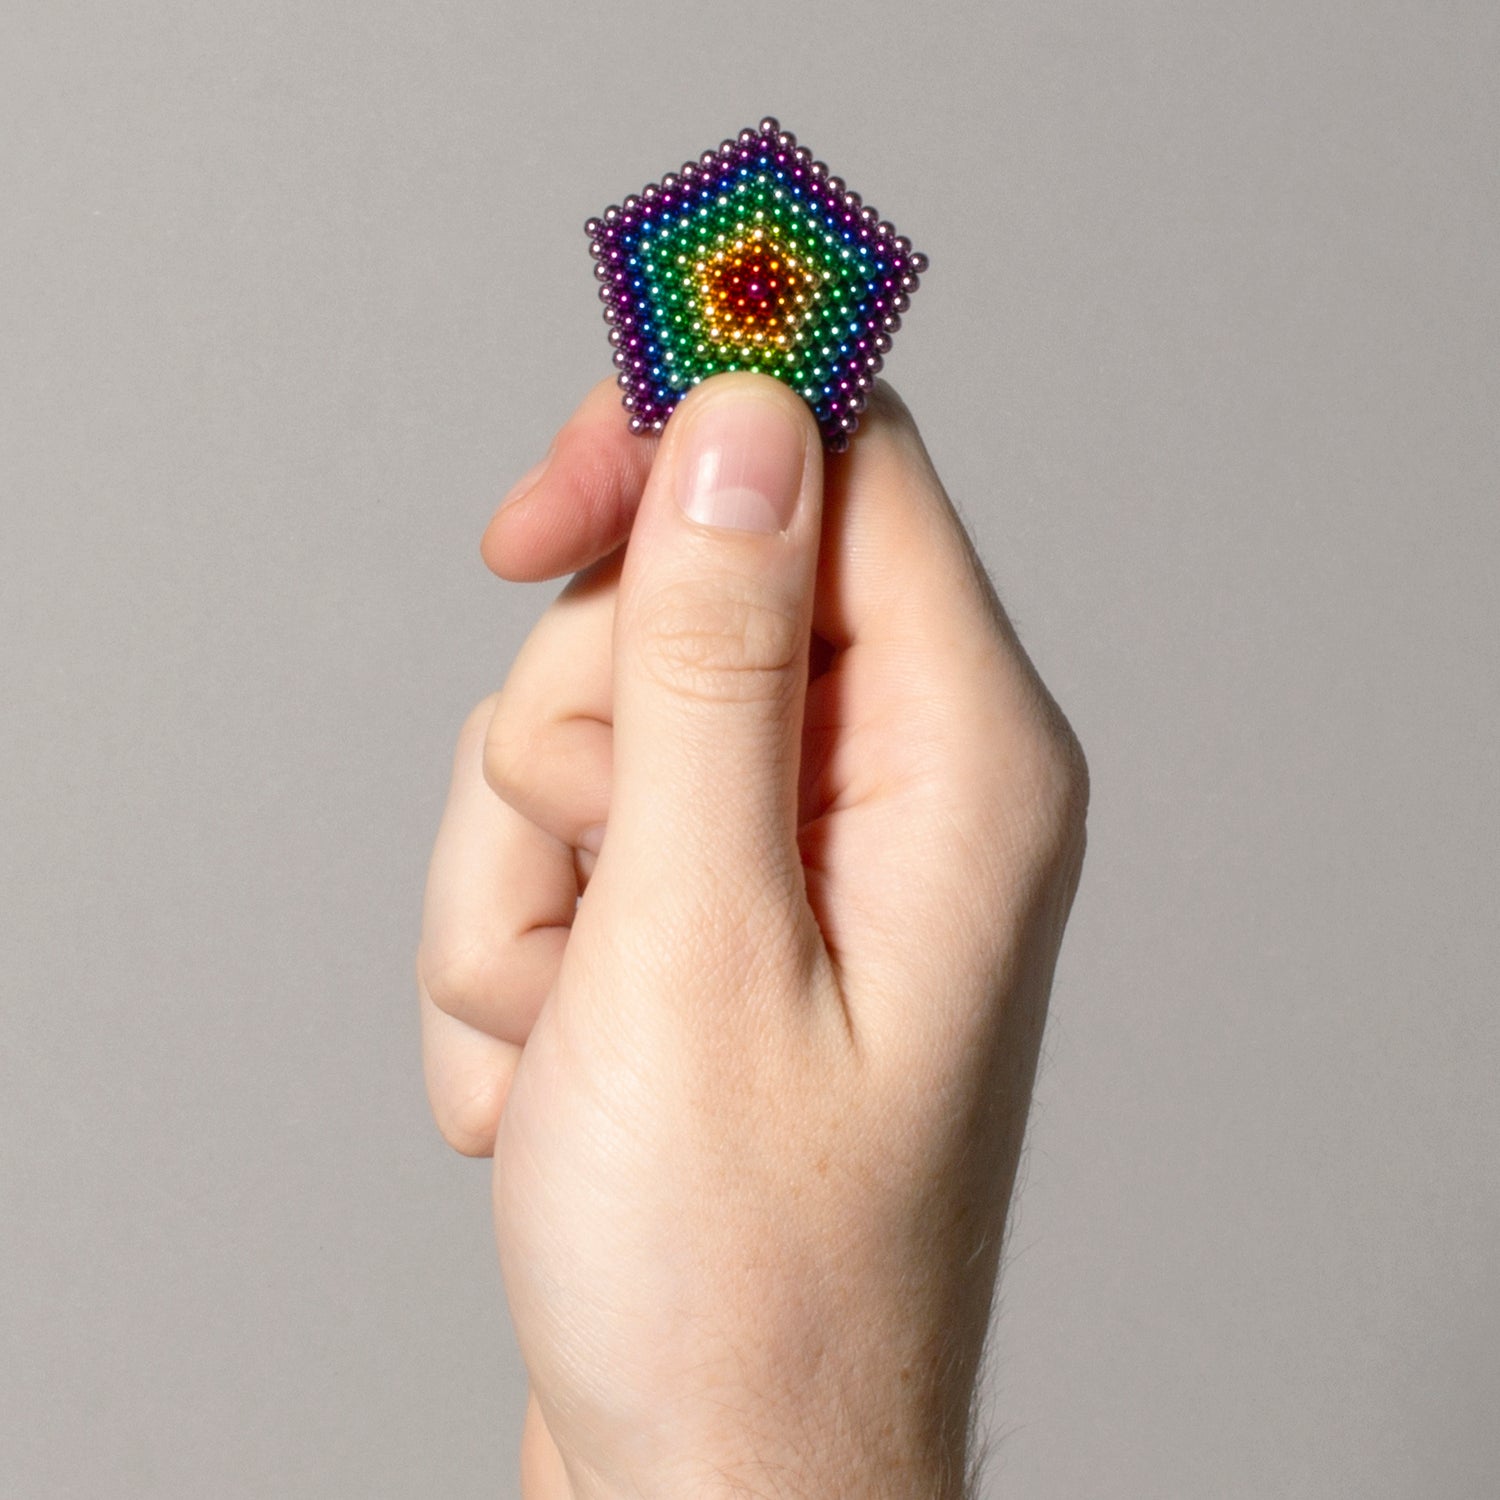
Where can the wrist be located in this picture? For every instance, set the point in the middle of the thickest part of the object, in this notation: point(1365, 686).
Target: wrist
point(763, 1481)
point(772, 1483)
point(805, 1460)
point(853, 1407)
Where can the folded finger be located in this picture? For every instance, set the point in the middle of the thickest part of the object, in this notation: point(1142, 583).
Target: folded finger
point(468, 1076)
point(548, 751)
point(499, 902)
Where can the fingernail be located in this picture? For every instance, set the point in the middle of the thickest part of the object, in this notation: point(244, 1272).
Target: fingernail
point(742, 467)
point(526, 483)
point(592, 838)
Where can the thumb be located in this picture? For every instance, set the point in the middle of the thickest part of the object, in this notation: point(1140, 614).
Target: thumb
point(712, 627)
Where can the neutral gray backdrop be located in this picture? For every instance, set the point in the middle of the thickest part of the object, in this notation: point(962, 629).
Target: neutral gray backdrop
point(1210, 358)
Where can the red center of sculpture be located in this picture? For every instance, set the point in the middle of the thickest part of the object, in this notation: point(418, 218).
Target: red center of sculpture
point(754, 293)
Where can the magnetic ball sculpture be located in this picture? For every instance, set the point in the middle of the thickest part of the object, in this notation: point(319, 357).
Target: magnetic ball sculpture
point(753, 257)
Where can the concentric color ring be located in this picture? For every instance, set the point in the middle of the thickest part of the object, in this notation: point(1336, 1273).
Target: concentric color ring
point(753, 257)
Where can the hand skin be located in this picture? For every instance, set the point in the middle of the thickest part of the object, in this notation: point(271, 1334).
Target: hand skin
point(754, 1078)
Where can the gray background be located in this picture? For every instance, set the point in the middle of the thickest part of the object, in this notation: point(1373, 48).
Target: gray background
point(1210, 357)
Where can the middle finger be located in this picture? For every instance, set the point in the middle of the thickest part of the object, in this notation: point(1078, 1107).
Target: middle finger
point(548, 750)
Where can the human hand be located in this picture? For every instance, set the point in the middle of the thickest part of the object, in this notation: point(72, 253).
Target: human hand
point(756, 1103)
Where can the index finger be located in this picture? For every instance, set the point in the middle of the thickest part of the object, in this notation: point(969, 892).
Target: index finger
point(579, 507)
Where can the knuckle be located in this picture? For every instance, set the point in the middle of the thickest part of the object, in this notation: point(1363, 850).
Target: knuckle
point(1079, 779)
point(477, 722)
point(508, 751)
point(468, 1121)
point(460, 977)
point(1055, 778)
point(720, 646)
